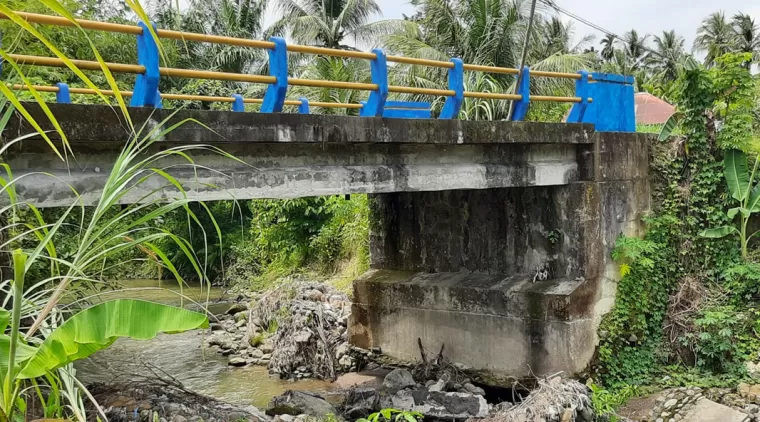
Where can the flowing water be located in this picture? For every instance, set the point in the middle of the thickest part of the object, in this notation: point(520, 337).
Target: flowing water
point(183, 356)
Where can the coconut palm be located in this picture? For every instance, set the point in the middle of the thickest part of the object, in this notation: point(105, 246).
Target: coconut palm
point(715, 37)
point(669, 50)
point(330, 23)
point(334, 69)
point(485, 32)
point(747, 35)
point(608, 50)
point(634, 47)
point(233, 18)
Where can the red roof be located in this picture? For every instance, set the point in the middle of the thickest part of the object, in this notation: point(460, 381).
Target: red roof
point(651, 110)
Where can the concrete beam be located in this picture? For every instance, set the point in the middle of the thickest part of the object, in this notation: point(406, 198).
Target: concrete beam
point(290, 155)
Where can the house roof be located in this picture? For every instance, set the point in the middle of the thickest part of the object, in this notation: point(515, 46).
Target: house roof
point(651, 110)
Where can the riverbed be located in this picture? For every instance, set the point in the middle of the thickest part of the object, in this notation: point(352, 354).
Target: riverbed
point(183, 357)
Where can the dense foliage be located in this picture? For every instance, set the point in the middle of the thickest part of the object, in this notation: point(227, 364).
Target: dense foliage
point(688, 301)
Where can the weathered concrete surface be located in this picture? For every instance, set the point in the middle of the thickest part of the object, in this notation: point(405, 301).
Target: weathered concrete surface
point(465, 268)
point(289, 155)
point(708, 411)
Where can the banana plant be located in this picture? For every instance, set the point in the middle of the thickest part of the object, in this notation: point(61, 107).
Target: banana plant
point(740, 181)
point(78, 337)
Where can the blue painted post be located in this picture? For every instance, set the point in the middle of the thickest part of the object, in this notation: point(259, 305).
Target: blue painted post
point(238, 105)
point(520, 109)
point(146, 84)
point(582, 91)
point(63, 96)
point(159, 101)
point(612, 108)
point(303, 108)
point(456, 83)
point(274, 98)
point(376, 102)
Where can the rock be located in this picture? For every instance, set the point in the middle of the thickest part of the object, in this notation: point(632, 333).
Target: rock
point(241, 316)
point(267, 347)
point(284, 418)
point(342, 350)
point(313, 294)
point(474, 390)
point(302, 337)
point(256, 353)
point(708, 411)
point(241, 323)
point(235, 308)
point(440, 385)
point(360, 402)
point(215, 326)
point(398, 379)
point(297, 402)
point(670, 404)
point(567, 416)
point(428, 383)
point(236, 361)
point(454, 406)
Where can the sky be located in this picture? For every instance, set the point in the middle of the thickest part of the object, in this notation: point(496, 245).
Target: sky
point(619, 16)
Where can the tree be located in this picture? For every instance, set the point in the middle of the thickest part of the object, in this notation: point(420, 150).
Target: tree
point(634, 47)
point(669, 50)
point(715, 37)
point(232, 18)
point(608, 51)
point(747, 35)
point(330, 23)
point(485, 32)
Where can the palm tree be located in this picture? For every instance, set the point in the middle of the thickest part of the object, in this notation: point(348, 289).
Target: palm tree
point(747, 35)
point(233, 18)
point(485, 32)
point(715, 37)
point(330, 23)
point(634, 47)
point(608, 51)
point(669, 49)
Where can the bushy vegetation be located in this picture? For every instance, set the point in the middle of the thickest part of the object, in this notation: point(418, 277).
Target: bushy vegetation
point(688, 301)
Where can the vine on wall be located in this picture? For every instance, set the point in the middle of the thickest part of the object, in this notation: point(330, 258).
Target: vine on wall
point(682, 303)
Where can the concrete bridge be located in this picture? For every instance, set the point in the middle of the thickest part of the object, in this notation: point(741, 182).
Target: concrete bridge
point(492, 238)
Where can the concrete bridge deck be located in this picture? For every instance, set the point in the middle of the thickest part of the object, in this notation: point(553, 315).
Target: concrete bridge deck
point(295, 155)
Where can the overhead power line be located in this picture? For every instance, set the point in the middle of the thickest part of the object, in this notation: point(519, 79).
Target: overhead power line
point(553, 4)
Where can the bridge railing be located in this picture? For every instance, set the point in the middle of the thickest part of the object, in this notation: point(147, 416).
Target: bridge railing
point(603, 99)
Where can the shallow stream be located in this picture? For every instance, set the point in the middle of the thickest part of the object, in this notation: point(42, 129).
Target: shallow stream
point(183, 356)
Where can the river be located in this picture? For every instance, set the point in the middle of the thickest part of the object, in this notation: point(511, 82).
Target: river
point(183, 356)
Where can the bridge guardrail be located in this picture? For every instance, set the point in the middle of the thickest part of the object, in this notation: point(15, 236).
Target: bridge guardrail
point(603, 99)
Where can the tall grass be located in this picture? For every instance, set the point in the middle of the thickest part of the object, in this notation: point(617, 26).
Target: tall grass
point(103, 235)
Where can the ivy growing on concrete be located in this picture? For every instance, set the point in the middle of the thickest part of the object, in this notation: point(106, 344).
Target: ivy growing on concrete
point(666, 318)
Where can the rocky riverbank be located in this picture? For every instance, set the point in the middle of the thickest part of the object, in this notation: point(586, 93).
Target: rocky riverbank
point(297, 331)
point(164, 403)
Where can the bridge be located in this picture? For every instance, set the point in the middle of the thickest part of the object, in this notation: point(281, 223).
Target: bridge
point(491, 237)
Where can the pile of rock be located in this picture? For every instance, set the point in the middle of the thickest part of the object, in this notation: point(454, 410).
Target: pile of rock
point(686, 403)
point(165, 404)
point(297, 330)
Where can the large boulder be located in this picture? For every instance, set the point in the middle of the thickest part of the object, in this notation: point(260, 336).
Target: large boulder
point(398, 379)
point(299, 403)
point(706, 410)
point(360, 402)
point(235, 308)
point(442, 405)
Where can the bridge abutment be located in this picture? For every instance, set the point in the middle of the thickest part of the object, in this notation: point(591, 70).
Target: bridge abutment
point(512, 280)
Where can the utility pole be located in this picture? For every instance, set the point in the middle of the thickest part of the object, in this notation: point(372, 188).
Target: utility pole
point(524, 55)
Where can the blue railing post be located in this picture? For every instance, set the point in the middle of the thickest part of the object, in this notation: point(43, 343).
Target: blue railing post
point(63, 96)
point(238, 105)
point(303, 108)
point(145, 93)
point(582, 91)
point(612, 108)
point(456, 83)
point(520, 109)
point(274, 98)
point(376, 102)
